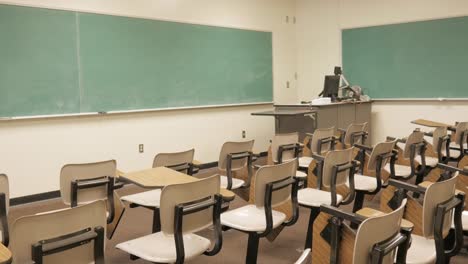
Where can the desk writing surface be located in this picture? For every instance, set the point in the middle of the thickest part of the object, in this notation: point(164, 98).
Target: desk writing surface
point(429, 123)
point(161, 176)
point(157, 177)
point(369, 212)
point(5, 254)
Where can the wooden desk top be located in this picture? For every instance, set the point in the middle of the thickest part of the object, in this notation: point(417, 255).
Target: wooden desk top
point(5, 254)
point(428, 123)
point(156, 177)
point(426, 184)
point(369, 212)
point(161, 176)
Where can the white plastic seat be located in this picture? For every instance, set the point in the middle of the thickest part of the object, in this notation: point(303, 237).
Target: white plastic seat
point(236, 183)
point(430, 161)
point(400, 170)
point(315, 198)
point(464, 221)
point(149, 198)
point(301, 174)
point(160, 248)
point(453, 152)
point(364, 183)
point(304, 162)
point(304, 258)
point(401, 145)
point(422, 250)
point(250, 218)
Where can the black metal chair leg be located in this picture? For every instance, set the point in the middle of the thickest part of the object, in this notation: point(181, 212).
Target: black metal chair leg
point(156, 220)
point(358, 203)
point(252, 248)
point(314, 212)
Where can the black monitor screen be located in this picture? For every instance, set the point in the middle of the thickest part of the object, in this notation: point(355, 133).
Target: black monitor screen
point(330, 88)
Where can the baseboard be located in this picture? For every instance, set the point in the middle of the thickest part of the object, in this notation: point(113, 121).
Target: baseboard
point(56, 194)
point(34, 198)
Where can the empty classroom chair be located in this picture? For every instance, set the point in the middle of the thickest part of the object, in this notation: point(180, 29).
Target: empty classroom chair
point(73, 236)
point(235, 157)
point(320, 142)
point(354, 133)
point(185, 209)
point(4, 208)
point(88, 182)
point(459, 143)
point(335, 171)
point(179, 161)
point(440, 144)
point(284, 148)
point(371, 243)
point(413, 147)
point(274, 185)
point(432, 219)
point(381, 154)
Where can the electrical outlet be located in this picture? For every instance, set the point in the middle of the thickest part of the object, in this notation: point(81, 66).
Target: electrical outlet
point(243, 133)
point(141, 148)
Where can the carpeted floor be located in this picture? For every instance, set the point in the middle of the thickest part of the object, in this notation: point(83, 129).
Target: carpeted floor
point(137, 222)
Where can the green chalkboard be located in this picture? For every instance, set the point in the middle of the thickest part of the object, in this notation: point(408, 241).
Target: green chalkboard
point(58, 62)
point(38, 62)
point(136, 63)
point(425, 59)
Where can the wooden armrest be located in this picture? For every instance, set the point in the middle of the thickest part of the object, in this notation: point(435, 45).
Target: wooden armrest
point(369, 212)
point(227, 195)
point(425, 184)
point(364, 147)
point(407, 186)
point(196, 163)
point(119, 173)
point(318, 157)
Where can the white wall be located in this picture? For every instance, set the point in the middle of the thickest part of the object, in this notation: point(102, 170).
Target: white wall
point(32, 152)
point(319, 49)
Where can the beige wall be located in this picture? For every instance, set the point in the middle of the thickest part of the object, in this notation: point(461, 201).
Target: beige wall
point(32, 152)
point(318, 37)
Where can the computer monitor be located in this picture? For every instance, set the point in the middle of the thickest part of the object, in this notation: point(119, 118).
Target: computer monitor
point(331, 85)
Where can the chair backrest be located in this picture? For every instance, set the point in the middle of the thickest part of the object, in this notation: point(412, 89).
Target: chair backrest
point(461, 127)
point(273, 173)
point(234, 147)
point(284, 139)
point(351, 130)
point(436, 194)
point(177, 194)
point(370, 232)
point(173, 159)
point(319, 134)
point(27, 231)
point(336, 158)
point(437, 134)
point(84, 171)
point(381, 148)
point(415, 137)
point(5, 188)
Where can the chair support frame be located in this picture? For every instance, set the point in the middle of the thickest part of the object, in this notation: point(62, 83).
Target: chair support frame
point(70, 241)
